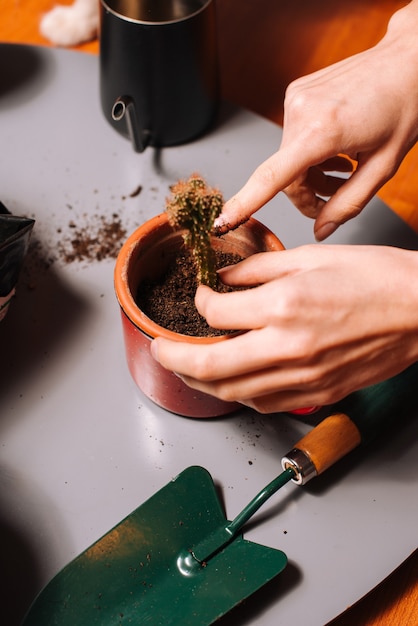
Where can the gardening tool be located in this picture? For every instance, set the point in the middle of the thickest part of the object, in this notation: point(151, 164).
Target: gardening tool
point(177, 560)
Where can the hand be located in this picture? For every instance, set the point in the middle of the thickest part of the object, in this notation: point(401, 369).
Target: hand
point(365, 107)
point(324, 320)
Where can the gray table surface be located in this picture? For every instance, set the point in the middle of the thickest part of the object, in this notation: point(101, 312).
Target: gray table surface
point(80, 446)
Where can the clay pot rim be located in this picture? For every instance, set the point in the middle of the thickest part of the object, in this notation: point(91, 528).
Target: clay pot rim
point(123, 293)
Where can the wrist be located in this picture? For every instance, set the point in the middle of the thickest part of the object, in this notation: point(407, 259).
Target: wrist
point(399, 55)
point(403, 24)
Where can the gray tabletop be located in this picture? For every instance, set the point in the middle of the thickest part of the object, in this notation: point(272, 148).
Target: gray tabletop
point(80, 446)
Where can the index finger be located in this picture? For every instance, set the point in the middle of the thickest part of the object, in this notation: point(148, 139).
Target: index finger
point(272, 176)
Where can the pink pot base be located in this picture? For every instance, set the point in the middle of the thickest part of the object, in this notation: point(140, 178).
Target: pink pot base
point(162, 386)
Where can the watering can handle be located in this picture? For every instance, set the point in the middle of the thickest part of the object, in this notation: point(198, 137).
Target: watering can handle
point(358, 419)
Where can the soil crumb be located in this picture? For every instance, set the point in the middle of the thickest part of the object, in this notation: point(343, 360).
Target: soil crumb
point(100, 238)
point(83, 241)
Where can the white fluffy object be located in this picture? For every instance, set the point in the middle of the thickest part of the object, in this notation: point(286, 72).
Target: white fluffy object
point(71, 25)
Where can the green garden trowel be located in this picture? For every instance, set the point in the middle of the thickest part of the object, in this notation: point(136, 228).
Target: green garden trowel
point(177, 560)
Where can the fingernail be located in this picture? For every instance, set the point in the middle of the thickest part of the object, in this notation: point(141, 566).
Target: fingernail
point(219, 221)
point(220, 225)
point(325, 231)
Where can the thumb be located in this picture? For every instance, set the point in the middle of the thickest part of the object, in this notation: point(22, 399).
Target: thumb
point(351, 198)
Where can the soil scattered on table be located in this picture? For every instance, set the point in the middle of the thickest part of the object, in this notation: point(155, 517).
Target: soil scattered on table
point(84, 240)
point(100, 238)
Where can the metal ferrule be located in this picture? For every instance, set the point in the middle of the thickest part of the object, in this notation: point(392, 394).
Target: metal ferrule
point(301, 464)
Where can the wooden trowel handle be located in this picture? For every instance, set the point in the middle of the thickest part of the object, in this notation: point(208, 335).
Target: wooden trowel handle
point(358, 419)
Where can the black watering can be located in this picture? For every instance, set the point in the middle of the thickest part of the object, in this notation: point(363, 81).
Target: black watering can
point(158, 69)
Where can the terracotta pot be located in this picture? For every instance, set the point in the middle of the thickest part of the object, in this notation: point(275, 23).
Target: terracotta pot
point(146, 254)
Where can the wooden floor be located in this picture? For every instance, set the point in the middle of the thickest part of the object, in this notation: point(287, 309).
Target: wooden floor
point(264, 44)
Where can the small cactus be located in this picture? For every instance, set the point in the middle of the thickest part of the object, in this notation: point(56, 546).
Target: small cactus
point(194, 206)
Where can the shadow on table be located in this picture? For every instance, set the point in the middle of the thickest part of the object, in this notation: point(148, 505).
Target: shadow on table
point(271, 593)
point(23, 68)
point(31, 535)
point(41, 320)
point(20, 574)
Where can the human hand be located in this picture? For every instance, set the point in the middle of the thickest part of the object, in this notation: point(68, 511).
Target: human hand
point(365, 107)
point(324, 320)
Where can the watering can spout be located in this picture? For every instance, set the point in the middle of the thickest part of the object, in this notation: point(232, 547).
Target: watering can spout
point(124, 107)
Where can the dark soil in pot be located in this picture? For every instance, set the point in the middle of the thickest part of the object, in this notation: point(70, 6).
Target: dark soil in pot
point(169, 300)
